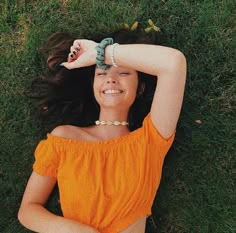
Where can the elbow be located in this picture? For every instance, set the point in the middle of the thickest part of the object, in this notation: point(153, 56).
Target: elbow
point(20, 215)
point(178, 67)
point(179, 61)
point(175, 65)
point(179, 55)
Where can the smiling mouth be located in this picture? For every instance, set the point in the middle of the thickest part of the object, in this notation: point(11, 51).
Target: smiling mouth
point(111, 91)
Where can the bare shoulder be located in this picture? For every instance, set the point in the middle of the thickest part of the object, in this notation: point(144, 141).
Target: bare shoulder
point(71, 132)
point(66, 131)
point(60, 131)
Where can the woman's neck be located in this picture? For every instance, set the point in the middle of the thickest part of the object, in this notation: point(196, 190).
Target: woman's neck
point(111, 115)
point(106, 131)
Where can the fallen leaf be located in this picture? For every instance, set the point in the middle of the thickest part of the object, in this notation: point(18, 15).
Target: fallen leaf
point(198, 121)
point(134, 26)
point(126, 26)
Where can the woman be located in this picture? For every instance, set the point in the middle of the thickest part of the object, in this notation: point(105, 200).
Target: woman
point(107, 172)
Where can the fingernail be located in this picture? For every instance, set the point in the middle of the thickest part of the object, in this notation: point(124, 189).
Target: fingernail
point(61, 65)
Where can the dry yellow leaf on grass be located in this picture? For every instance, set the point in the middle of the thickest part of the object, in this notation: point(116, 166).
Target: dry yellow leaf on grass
point(134, 26)
point(150, 22)
point(126, 26)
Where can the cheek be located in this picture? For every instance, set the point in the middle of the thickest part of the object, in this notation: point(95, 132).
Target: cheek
point(134, 94)
point(96, 89)
point(135, 86)
point(133, 90)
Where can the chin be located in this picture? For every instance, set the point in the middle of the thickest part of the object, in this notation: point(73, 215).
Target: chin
point(116, 106)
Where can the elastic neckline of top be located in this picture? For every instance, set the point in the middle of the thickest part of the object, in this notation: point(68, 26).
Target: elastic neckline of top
point(124, 138)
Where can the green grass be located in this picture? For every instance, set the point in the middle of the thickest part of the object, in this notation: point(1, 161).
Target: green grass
point(197, 189)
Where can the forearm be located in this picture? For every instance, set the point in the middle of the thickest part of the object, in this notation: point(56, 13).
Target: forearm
point(36, 218)
point(151, 59)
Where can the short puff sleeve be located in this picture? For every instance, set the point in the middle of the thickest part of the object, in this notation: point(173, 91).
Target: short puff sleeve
point(47, 158)
point(155, 138)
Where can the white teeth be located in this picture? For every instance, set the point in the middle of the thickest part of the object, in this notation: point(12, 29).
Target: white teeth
point(112, 91)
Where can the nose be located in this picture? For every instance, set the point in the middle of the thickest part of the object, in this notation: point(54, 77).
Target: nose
point(112, 80)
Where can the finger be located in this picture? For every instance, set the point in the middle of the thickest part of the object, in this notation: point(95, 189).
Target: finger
point(71, 48)
point(70, 65)
point(74, 54)
point(71, 57)
point(76, 43)
point(74, 49)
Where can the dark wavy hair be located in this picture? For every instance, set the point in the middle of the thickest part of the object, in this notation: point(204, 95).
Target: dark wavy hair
point(66, 96)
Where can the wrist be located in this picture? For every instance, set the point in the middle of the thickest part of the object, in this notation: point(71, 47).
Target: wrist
point(93, 55)
point(112, 54)
point(102, 53)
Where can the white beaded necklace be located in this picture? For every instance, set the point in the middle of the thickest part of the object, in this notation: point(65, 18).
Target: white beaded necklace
point(116, 123)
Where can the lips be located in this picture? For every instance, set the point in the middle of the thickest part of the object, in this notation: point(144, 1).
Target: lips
point(112, 91)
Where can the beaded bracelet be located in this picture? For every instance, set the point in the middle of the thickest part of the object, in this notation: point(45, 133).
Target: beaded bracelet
point(100, 59)
point(112, 54)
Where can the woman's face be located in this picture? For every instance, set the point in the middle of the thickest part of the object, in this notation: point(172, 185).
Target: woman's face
point(116, 87)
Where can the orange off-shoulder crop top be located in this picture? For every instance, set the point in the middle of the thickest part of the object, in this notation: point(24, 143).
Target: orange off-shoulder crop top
point(107, 185)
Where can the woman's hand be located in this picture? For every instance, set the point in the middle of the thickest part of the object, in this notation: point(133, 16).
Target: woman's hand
point(83, 53)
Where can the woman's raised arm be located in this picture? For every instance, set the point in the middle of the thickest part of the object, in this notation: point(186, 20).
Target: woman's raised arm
point(169, 65)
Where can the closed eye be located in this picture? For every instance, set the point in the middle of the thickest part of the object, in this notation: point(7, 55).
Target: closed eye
point(101, 73)
point(124, 73)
